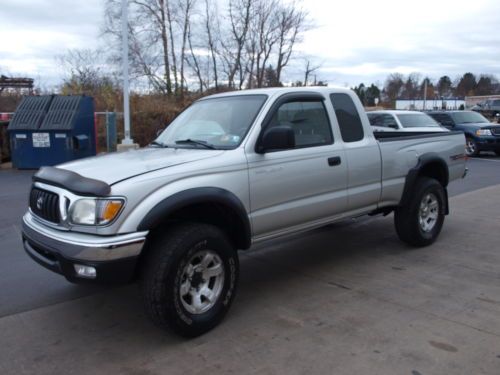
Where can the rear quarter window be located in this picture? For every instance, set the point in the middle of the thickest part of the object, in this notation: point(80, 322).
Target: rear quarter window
point(351, 127)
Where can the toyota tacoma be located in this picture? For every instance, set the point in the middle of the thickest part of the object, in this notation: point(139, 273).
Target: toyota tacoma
point(232, 170)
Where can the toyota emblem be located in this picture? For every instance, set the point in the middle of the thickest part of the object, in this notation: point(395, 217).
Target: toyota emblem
point(39, 203)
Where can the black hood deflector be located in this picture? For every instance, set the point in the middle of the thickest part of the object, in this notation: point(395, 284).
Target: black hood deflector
point(72, 181)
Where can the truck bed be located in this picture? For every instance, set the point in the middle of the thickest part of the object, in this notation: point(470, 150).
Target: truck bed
point(401, 151)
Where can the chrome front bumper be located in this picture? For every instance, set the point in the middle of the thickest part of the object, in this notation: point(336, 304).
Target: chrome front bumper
point(114, 257)
point(84, 246)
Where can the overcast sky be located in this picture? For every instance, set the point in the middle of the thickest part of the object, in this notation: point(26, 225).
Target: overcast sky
point(354, 41)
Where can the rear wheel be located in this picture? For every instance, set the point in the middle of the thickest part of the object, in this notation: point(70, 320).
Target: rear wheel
point(471, 147)
point(497, 152)
point(189, 279)
point(419, 222)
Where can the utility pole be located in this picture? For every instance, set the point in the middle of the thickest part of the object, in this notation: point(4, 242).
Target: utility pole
point(425, 93)
point(127, 141)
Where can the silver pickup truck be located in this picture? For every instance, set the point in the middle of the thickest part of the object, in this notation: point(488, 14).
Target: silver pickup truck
point(232, 170)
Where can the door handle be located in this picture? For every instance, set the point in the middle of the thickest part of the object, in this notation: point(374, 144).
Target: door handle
point(335, 160)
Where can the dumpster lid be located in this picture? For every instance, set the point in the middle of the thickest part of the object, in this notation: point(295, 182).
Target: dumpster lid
point(30, 112)
point(62, 113)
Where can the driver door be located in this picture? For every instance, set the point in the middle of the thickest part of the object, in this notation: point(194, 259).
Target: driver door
point(303, 185)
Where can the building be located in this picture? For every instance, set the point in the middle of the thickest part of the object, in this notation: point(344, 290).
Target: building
point(471, 101)
point(429, 104)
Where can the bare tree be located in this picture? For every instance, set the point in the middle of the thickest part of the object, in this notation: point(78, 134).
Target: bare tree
point(193, 61)
point(291, 22)
point(309, 68)
point(168, 9)
point(187, 6)
point(239, 19)
point(173, 40)
point(264, 37)
point(212, 29)
point(82, 64)
point(159, 13)
point(393, 86)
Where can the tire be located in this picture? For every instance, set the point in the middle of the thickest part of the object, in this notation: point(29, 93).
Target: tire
point(175, 290)
point(471, 147)
point(419, 226)
point(497, 152)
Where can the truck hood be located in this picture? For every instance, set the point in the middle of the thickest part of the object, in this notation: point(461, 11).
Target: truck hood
point(493, 126)
point(119, 166)
point(480, 125)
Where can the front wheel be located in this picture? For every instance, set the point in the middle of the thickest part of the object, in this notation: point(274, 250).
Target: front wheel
point(189, 278)
point(419, 222)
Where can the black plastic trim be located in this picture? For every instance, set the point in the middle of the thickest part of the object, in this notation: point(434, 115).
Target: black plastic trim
point(414, 173)
point(72, 181)
point(199, 195)
point(398, 135)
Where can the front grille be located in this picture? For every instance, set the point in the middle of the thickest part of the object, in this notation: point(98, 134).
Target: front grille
point(495, 130)
point(45, 204)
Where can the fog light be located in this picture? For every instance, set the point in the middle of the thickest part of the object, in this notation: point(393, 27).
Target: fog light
point(85, 271)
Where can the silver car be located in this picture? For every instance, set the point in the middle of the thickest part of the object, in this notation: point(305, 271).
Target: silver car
point(404, 121)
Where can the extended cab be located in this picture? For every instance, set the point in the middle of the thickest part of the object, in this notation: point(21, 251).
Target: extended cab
point(232, 170)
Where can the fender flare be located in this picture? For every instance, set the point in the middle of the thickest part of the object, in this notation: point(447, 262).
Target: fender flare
point(192, 196)
point(415, 172)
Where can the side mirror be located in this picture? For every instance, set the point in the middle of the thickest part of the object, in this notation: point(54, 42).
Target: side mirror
point(277, 138)
point(393, 126)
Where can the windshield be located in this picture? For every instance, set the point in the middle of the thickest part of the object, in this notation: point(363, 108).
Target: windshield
point(219, 123)
point(416, 120)
point(468, 118)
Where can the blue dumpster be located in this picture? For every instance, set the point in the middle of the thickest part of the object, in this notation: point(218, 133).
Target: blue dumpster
point(70, 129)
point(27, 119)
point(61, 130)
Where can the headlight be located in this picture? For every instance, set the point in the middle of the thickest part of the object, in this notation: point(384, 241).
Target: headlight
point(483, 132)
point(95, 211)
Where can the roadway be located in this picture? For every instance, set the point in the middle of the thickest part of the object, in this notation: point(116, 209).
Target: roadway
point(28, 286)
point(360, 307)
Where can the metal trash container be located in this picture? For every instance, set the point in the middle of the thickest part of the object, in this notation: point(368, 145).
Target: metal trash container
point(25, 150)
point(50, 130)
point(68, 129)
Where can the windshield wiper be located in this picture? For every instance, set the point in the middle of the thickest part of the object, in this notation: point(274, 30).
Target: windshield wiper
point(156, 143)
point(196, 142)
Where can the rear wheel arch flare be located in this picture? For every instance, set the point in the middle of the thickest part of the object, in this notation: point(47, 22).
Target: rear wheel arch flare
point(429, 165)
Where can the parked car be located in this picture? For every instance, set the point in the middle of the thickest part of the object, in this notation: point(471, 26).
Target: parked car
point(404, 121)
point(490, 107)
point(480, 133)
point(232, 170)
